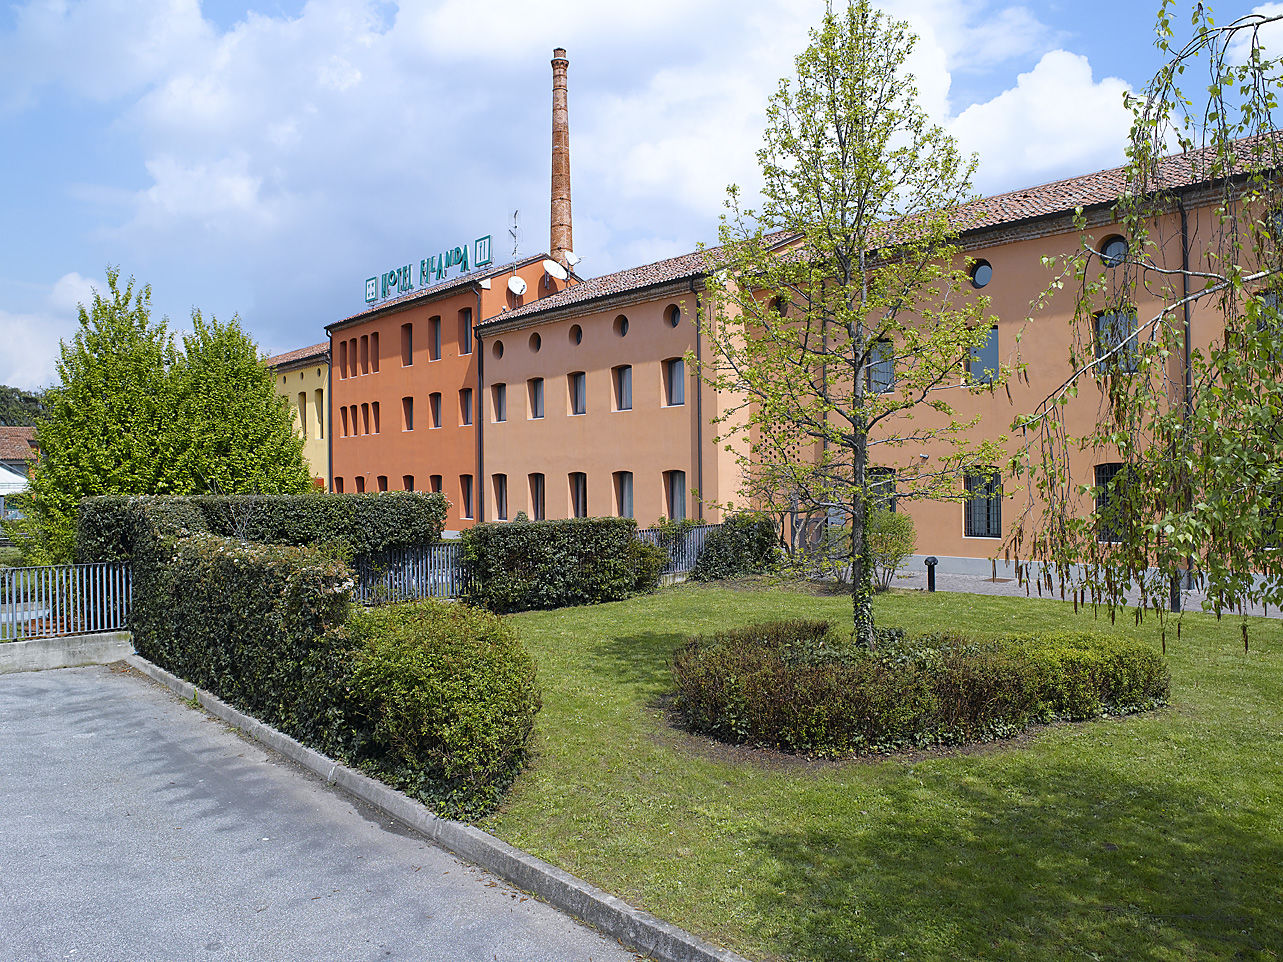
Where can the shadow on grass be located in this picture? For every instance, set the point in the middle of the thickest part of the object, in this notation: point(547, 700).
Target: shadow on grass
point(1072, 860)
point(642, 661)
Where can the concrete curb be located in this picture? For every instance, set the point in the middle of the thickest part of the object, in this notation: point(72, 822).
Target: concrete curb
point(65, 651)
point(638, 930)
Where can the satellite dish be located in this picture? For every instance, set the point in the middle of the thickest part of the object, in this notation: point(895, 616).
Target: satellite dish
point(517, 285)
point(553, 269)
point(572, 258)
point(485, 284)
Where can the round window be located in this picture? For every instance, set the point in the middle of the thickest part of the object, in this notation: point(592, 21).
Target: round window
point(621, 325)
point(981, 274)
point(674, 315)
point(576, 334)
point(536, 342)
point(1114, 251)
point(498, 349)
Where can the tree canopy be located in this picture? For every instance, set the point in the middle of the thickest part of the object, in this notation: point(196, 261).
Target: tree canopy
point(842, 313)
point(19, 408)
point(132, 414)
point(1190, 392)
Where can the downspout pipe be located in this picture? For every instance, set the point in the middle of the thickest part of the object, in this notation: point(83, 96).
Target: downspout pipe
point(699, 402)
point(479, 409)
point(329, 414)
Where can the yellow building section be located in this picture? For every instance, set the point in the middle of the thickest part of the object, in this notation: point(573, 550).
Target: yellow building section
point(303, 378)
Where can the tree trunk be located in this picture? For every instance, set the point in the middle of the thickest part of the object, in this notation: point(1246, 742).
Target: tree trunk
point(861, 560)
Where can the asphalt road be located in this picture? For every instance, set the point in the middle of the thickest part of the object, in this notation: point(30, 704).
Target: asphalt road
point(134, 827)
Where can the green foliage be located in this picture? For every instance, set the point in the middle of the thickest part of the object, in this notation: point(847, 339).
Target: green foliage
point(131, 415)
point(451, 698)
point(744, 544)
point(892, 539)
point(647, 561)
point(532, 565)
point(19, 408)
point(800, 687)
point(862, 185)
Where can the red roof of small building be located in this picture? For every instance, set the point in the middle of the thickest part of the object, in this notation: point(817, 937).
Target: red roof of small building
point(318, 351)
point(15, 443)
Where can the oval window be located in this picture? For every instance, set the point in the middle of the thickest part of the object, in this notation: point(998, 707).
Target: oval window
point(536, 342)
point(674, 315)
point(981, 274)
point(1114, 251)
point(576, 334)
point(498, 349)
point(621, 325)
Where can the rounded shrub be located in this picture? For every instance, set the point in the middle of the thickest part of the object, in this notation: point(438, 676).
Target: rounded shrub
point(744, 544)
point(450, 696)
point(801, 686)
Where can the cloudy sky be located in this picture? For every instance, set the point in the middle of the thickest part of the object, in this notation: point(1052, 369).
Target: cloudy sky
point(263, 157)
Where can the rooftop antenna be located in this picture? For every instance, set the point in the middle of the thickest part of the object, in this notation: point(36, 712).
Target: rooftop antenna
point(515, 233)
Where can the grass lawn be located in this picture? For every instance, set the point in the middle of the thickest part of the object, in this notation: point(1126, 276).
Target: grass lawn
point(1152, 837)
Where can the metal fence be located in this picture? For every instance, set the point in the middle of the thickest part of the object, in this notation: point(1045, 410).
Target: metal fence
point(683, 549)
point(63, 600)
point(405, 574)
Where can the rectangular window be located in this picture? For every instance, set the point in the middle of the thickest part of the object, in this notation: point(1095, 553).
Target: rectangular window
point(338, 485)
point(360, 484)
point(407, 345)
point(302, 412)
point(342, 360)
point(624, 494)
point(1117, 329)
point(407, 482)
point(1110, 479)
point(365, 353)
point(465, 406)
point(535, 384)
point(383, 482)
point(374, 353)
point(536, 497)
point(881, 367)
point(983, 507)
point(465, 495)
point(499, 395)
point(318, 411)
point(407, 414)
point(578, 494)
point(343, 417)
point(623, 378)
point(355, 426)
point(353, 370)
point(881, 483)
point(675, 493)
point(674, 381)
point(983, 366)
point(465, 331)
point(375, 408)
point(365, 418)
point(434, 407)
point(434, 481)
point(578, 383)
point(434, 338)
point(501, 497)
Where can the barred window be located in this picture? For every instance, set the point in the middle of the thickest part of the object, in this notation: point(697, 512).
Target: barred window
point(881, 367)
point(1111, 479)
point(983, 509)
point(1117, 330)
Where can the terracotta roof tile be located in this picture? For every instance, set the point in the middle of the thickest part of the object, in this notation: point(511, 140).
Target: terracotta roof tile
point(302, 354)
point(15, 444)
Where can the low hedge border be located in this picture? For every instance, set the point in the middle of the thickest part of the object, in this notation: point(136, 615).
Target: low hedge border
point(801, 687)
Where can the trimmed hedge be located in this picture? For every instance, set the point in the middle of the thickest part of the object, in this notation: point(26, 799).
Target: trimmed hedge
point(802, 687)
point(364, 523)
point(744, 544)
point(451, 698)
point(536, 565)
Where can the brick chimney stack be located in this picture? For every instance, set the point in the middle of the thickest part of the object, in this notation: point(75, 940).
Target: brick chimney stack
point(561, 239)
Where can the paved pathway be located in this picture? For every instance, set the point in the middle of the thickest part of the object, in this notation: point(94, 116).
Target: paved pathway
point(133, 826)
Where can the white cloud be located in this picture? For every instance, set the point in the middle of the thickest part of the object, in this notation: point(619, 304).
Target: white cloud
point(1057, 121)
point(70, 292)
point(1270, 37)
point(31, 348)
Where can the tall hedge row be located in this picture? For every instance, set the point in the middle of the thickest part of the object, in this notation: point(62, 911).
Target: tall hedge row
point(365, 523)
point(535, 565)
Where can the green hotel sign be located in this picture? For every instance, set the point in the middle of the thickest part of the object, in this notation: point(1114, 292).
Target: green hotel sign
point(406, 279)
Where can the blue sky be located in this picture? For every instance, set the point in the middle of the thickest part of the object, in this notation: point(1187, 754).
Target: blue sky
point(264, 158)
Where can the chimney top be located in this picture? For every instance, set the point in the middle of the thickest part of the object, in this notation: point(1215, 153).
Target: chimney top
point(561, 238)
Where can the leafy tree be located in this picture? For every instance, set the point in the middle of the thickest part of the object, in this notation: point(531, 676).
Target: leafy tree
point(130, 415)
point(1191, 392)
point(845, 340)
point(19, 408)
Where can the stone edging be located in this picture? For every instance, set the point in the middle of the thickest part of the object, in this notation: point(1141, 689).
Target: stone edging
point(638, 930)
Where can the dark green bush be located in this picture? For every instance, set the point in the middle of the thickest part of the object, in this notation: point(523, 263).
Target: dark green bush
point(451, 698)
point(536, 565)
point(802, 687)
point(648, 561)
point(366, 523)
point(745, 544)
